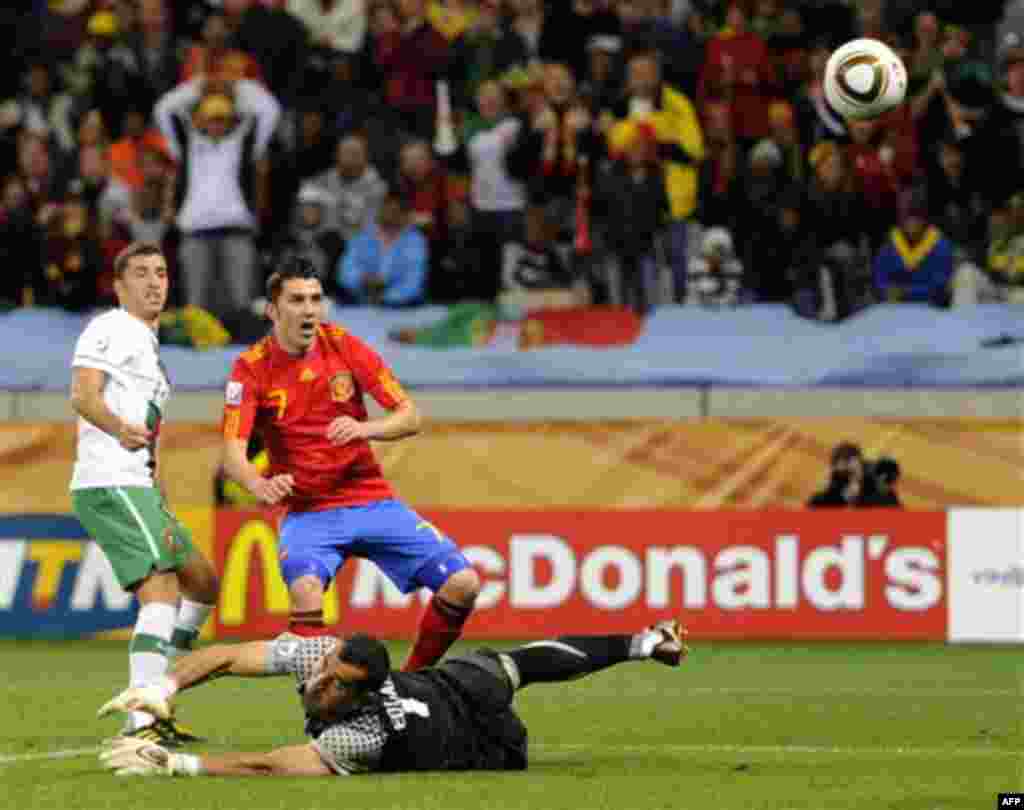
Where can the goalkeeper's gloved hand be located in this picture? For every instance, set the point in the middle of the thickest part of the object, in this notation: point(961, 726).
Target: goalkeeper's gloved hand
point(154, 698)
point(130, 756)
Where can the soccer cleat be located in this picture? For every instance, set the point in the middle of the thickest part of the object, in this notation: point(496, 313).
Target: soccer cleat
point(154, 733)
point(672, 649)
point(182, 734)
point(165, 733)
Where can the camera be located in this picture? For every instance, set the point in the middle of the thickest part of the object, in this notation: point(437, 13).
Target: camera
point(856, 482)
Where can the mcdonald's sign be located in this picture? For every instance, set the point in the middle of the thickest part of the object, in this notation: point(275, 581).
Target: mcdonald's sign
point(254, 599)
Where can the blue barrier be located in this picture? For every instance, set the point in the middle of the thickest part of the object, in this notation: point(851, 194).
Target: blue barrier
point(889, 345)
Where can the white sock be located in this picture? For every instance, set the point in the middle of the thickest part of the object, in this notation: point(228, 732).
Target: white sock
point(190, 620)
point(147, 653)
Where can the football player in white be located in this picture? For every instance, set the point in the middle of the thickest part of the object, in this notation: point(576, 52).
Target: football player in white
point(119, 389)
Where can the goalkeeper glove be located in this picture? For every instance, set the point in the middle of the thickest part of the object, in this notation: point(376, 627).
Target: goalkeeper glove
point(130, 756)
point(154, 698)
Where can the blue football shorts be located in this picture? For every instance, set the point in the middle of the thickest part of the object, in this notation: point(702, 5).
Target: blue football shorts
point(410, 550)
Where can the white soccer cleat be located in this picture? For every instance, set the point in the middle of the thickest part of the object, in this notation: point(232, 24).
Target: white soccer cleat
point(152, 699)
point(671, 649)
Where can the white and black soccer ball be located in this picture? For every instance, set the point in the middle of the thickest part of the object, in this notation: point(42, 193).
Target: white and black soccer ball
point(864, 79)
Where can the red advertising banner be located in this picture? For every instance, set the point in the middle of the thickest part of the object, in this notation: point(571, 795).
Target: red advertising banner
point(832, 574)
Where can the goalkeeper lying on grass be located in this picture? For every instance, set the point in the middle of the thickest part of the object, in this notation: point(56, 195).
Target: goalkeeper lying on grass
point(362, 717)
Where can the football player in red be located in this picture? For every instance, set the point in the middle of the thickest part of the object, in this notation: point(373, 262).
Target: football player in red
point(303, 387)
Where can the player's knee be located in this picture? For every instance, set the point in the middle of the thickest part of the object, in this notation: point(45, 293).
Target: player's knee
point(307, 593)
point(462, 587)
point(202, 583)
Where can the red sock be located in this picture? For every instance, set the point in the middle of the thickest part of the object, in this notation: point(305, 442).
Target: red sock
point(440, 626)
point(307, 623)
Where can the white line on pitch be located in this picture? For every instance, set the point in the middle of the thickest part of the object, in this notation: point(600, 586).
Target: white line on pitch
point(7, 759)
point(697, 748)
point(846, 751)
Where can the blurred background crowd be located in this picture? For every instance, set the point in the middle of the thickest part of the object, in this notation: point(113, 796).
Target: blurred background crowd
point(630, 152)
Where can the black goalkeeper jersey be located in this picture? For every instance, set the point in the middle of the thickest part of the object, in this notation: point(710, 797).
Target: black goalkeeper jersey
point(455, 717)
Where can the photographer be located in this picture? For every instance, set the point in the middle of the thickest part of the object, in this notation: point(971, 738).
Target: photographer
point(846, 479)
point(854, 482)
point(879, 488)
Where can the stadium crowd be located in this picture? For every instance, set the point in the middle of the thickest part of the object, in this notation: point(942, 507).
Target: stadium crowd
point(641, 152)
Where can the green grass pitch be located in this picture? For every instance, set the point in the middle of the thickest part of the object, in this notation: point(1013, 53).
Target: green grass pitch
point(920, 727)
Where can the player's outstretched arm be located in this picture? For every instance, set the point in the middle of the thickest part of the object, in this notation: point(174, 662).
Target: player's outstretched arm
point(129, 756)
point(244, 660)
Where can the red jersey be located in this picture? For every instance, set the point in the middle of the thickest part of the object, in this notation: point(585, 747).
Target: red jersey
point(291, 400)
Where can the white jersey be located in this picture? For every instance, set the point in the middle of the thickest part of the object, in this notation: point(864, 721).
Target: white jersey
point(136, 390)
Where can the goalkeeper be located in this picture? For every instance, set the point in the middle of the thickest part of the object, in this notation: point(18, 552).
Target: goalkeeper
point(363, 717)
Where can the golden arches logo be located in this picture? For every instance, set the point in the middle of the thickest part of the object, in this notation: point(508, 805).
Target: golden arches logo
point(257, 536)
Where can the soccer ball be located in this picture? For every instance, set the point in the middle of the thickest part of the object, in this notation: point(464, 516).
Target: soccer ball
point(864, 78)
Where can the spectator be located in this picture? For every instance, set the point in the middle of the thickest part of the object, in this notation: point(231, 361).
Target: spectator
point(738, 70)
point(424, 185)
point(955, 203)
point(874, 174)
point(680, 149)
point(217, 148)
point(35, 166)
point(1003, 131)
point(314, 234)
point(276, 40)
point(790, 52)
point(543, 26)
point(149, 214)
point(645, 28)
point(42, 108)
point(631, 203)
point(339, 26)
point(497, 199)
point(721, 188)
point(484, 52)
point(386, 264)
point(354, 187)
point(787, 252)
point(534, 273)
point(1000, 278)
point(716, 275)
point(149, 55)
point(22, 243)
point(758, 218)
point(452, 17)
point(125, 154)
point(838, 212)
point(916, 264)
point(786, 135)
point(73, 259)
point(602, 85)
point(215, 58)
point(412, 58)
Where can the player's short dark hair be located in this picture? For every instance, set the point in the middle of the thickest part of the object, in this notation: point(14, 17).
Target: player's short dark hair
point(293, 267)
point(844, 451)
point(367, 652)
point(133, 250)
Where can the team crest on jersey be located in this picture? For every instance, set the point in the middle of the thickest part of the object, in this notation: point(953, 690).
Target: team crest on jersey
point(233, 393)
point(342, 387)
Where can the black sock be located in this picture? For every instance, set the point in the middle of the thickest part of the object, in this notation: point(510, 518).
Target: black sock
point(568, 657)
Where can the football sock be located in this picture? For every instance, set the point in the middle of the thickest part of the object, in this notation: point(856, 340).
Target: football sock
point(147, 653)
point(307, 623)
point(191, 617)
point(570, 657)
point(440, 626)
